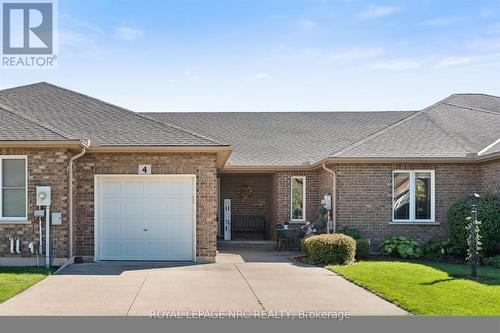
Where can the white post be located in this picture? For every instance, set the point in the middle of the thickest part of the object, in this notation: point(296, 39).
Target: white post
point(47, 236)
point(227, 219)
point(40, 236)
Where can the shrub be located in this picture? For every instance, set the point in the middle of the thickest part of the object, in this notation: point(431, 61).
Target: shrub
point(401, 246)
point(436, 248)
point(362, 249)
point(492, 261)
point(330, 249)
point(488, 207)
point(354, 233)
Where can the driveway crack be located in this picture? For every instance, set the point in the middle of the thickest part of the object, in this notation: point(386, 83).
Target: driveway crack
point(253, 291)
point(139, 290)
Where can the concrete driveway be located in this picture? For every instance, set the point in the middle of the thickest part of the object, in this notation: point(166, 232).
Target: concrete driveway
point(249, 281)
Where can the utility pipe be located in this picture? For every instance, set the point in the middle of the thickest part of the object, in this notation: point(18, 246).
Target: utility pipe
point(40, 236)
point(47, 236)
point(11, 240)
point(334, 196)
point(70, 208)
point(18, 249)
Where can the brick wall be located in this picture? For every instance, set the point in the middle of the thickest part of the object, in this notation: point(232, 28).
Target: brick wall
point(280, 195)
point(47, 167)
point(201, 164)
point(258, 203)
point(364, 198)
point(490, 177)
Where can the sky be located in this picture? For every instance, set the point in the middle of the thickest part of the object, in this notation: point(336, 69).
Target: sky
point(273, 55)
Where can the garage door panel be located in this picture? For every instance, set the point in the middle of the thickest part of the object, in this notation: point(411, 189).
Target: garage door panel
point(179, 206)
point(133, 208)
point(132, 230)
point(142, 218)
point(182, 189)
point(110, 188)
point(111, 208)
point(157, 208)
point(156, 189)
point(157, 250)
point(133, 189)
point(176, 249)
point(132, 249)
point(111, 230)
point(112, 250)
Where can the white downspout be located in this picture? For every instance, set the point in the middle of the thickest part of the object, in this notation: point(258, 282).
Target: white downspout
point(70, 208)
point(334, 196)
point(47, 236)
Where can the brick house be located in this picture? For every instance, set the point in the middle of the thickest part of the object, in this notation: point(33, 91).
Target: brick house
point(151, 186)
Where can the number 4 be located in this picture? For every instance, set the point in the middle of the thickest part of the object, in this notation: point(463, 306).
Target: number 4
point(144, 169)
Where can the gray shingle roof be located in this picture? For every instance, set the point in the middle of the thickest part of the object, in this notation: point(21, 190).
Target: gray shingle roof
point(442, 130)
point(456, 127)
point(283, 138)
point(83, 117)
point(453, 128)
point(476, 101)
point(16, 128)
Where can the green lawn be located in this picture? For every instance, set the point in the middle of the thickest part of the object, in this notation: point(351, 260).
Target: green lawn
point(14, 280)
point(429, 288)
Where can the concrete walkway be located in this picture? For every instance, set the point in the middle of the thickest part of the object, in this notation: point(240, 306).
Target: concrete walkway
point(249, 281)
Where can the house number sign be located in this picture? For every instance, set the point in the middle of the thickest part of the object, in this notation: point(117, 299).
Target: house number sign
point(144, 169)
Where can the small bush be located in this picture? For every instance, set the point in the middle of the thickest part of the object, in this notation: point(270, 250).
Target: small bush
point(402, 247)
point(437, 249)
point(354, 233)
point(492, 261)
point(362, 249)
point(488, 208)
point(330, 249)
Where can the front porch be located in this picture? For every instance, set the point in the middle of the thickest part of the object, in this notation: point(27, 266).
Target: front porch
point(259, 201)
point(250, 206)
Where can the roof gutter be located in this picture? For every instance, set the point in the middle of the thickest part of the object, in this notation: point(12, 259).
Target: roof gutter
point(223, 152)
point(470, 159)
point(43, 144)
point(319, 164)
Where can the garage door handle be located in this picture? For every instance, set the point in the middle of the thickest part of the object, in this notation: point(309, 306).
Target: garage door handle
point(145, 229)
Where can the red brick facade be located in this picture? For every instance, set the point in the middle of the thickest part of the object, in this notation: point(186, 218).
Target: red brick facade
point(364, 194)
point(280, 195)
point(50, 167)
point(364, 198)
point(45, 167)
point(490, 177)
point(202, 165)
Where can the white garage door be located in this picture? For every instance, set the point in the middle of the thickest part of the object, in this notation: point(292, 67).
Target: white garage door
point(145, 217)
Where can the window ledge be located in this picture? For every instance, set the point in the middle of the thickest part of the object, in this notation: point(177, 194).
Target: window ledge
point(414, 223)
point(296, 222)
point(7, 221)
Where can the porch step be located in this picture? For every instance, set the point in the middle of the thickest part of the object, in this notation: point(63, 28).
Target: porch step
point(248, 236)
point(246, 244)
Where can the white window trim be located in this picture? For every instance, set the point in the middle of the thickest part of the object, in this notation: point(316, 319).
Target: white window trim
point(413, 219)
point(303, 219)
point(23, 219)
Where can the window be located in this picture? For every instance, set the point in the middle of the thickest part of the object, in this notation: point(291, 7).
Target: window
point(298, 199)
point(413, 196)
point(13, 184)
